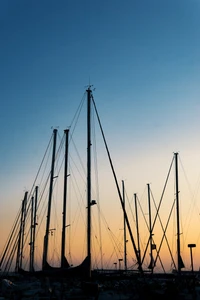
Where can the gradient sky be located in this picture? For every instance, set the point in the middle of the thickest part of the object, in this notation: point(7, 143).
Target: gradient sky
point(143, 58)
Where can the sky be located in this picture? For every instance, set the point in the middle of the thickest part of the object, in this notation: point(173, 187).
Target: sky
point(142, 58)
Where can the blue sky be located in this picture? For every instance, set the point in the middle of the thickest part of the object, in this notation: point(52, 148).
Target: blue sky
point(143, 58)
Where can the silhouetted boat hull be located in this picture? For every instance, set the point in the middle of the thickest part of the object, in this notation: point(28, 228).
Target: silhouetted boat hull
point(79, 271)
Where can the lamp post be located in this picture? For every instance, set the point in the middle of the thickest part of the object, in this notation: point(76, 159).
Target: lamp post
point(120, 259)
point(191, 246)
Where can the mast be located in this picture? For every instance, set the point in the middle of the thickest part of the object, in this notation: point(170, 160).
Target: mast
point(46, 237)
point(23, 228)
point(34, 225)
point(21, 234)
point(19, 240)
point(125, 241)
point(64, 200)
point(151, 265)
point(137, 228)
point(31, 235)
point(89, 92)
point(179, 260)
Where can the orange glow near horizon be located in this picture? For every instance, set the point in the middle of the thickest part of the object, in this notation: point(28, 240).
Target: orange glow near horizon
point(107, 220)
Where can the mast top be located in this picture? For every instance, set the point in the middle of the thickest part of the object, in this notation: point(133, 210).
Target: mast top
point(89, 87)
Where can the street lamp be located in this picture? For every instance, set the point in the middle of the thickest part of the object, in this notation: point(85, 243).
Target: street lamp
point(191, 246)
point(120, 259)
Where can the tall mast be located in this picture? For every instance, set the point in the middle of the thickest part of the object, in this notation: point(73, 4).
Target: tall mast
point(23, 229)
point(31, 235)
point(137, 228)
point(64, 200)
point(21, 233)
point(151, 265)
point(179, 260)
point(34, 225)
point(125, 255)
point(46, 237)
point(89, 92)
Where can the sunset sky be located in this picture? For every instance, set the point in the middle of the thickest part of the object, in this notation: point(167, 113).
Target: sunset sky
point(142, 58)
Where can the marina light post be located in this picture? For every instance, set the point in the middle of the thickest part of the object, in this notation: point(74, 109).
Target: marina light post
point(120, 259)
point(191, 246)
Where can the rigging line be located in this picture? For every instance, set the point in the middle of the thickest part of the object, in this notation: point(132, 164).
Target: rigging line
point(108, 228)
point(10, 236)
point(79, 210)
point(173, 242)
point(95, 249)
point(78, 193)
point(47, 179)
point(45, 168)
point(95, 238)
point(164, 234)
point(159, 205)
point(114, 239)
point(198, 187)
point(147, 225)
point(44, 202)
point(27, 235)
point(129, 204)
point(37, 175)
point(60, 148)
point(143, 214)
point(162, 195)
point(58, 151)
point(12, 253)
point(8, 255)
point(140, 244)
point(79, 157)
point(191, 209)
point(31, 192)
point(76, 116)
point(29, 198)
point(130, 207)
point(58, 168)
point(164, 231)
point(97, 187)
point(118, 190)
point(144, 218)
point(152, 231)
point(108, 263)
point(186, 178)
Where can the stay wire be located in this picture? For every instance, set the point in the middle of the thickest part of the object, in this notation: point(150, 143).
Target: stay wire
point(162, 195)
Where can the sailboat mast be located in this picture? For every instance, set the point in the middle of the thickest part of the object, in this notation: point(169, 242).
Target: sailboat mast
point(89, 92)
point(177, 214)
point(125, 255)
point(21, 233)
point(151, 265)
point(34, 225)
point(23, 228)
point(46, 237)
point(64, 199)
point(31, 235)
point(137, 228)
